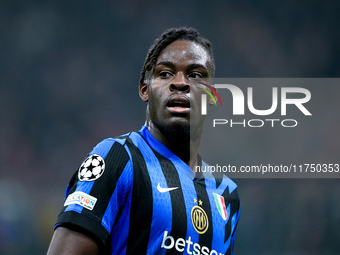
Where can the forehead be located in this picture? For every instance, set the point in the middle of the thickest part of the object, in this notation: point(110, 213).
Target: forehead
point(185, 51)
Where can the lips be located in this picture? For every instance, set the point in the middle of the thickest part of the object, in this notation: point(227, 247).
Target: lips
point(178, 104)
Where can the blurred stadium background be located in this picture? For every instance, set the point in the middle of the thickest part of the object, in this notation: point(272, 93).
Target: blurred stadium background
point(69, 72)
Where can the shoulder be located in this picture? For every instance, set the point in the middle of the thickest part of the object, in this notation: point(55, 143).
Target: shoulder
point(110, 154)
point(219, 177)
point(224, 181)
point(120, 148)
point(117, 144)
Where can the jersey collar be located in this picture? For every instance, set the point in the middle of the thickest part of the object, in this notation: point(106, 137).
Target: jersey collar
point(164, 151)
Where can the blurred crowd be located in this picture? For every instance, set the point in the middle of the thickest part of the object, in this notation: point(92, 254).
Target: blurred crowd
point(69, 76)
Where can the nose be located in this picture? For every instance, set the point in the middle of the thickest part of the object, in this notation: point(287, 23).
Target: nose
point(180, 83)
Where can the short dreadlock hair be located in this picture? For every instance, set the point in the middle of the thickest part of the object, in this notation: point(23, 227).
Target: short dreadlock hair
point(168, 37)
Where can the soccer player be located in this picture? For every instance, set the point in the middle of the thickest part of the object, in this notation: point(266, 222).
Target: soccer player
point(139, 193)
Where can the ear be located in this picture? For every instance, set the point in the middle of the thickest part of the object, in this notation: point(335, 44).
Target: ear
point(211, 101)
point(143, 91)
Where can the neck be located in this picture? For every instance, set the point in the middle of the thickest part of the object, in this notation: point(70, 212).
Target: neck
point(183, 143)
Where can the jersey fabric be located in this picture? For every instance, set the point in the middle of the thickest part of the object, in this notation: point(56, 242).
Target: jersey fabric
point(137, 197)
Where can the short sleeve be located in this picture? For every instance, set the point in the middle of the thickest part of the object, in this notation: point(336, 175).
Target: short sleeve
point(98, 189)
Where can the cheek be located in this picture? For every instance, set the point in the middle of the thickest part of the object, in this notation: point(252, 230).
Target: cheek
point(154, 95)
point(157, 91)
point(155, 101)
point(196, 99)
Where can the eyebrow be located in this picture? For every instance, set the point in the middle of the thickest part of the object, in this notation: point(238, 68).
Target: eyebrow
point(191, 66)
point(165, 63)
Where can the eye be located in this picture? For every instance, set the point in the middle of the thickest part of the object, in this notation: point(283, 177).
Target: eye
point(195, 75)
point(165, 74)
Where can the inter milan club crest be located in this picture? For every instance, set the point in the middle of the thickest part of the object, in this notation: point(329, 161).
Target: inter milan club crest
point(221, 206)
point(199, 217)
point(92, 168)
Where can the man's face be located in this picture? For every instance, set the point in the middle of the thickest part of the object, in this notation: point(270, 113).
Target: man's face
point(172, 90)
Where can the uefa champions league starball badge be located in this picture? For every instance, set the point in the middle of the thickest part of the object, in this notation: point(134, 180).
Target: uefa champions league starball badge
point(92, 168)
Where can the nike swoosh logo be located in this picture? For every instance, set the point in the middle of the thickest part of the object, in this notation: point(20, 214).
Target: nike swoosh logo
point(162, 190)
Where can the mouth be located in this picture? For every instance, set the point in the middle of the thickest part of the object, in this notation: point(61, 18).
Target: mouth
point(178, 104)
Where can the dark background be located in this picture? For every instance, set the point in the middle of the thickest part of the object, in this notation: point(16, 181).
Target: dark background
point(69, 73)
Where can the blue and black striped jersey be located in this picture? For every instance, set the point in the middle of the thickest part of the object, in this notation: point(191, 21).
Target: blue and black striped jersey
point(137, 197)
